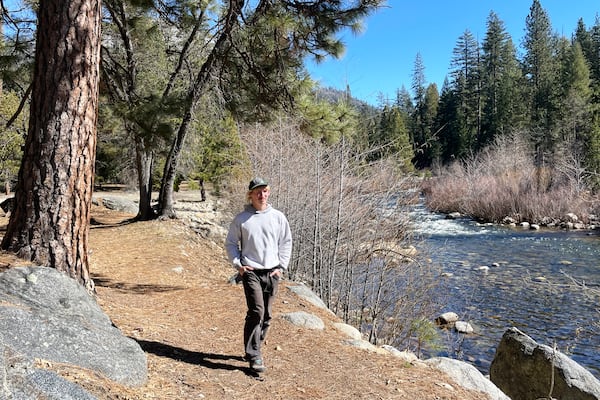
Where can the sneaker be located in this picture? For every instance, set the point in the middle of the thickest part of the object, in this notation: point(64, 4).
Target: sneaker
point(257, 365)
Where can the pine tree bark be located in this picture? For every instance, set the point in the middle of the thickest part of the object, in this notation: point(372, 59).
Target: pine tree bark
point(144, 161)
point(49, 224)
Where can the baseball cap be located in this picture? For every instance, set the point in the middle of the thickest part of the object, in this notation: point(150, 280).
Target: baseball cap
point(257, 182)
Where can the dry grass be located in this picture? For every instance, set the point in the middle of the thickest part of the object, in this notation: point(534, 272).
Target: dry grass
point(166, 287)
point(503, 181)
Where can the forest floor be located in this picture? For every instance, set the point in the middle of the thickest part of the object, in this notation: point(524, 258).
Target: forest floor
point(167, 287)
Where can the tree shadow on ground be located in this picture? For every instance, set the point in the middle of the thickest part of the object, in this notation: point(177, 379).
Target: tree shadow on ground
point(103, 281)
point(207, 360)
point(102, 223)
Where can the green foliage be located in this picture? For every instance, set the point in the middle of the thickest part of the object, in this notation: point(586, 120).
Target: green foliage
point(214, 151)
point(11, 139)
point(592, 154)
point(391, 138)
point(541, 68)
point(248, 58)
point(450, 127)
point(325, 120)
point(115, 158)
point(465, 82)
point(17, 46)
point(426, 334)
point(501, 81)
point(135, 78)
point(574, 111)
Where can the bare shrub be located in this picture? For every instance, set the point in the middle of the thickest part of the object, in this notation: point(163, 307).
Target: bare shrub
point(503, 180)
point(352, 237)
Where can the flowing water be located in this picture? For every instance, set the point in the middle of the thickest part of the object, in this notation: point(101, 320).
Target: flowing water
point(497, 277)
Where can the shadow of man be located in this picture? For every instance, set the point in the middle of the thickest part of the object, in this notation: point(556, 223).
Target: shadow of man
point(208, 360)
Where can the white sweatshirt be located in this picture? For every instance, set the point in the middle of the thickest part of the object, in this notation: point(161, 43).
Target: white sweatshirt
point(259, 239)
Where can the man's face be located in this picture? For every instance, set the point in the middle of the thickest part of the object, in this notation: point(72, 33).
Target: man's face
point(259, 197)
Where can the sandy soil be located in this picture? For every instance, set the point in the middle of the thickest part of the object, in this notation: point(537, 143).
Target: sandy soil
point(167, 287)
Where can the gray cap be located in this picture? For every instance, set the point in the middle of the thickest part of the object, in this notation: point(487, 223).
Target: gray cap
point(257, 182)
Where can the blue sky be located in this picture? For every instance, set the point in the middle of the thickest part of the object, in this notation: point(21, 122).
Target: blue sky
point(381, 59)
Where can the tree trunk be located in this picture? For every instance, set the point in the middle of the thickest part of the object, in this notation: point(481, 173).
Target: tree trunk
point(145, 161)
point(49, 224)
point(165, 198)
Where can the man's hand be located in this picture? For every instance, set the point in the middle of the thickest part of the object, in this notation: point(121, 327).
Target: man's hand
point(242, 270)
point(277, 272)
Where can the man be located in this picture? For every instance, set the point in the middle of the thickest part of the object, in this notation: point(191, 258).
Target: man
point(259, 245)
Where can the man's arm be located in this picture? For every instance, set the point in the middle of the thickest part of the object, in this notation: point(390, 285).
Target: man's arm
point(232, 245)
point(285, 244)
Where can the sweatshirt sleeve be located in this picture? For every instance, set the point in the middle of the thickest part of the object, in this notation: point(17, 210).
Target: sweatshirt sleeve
point(232, 243)
point(285, 243)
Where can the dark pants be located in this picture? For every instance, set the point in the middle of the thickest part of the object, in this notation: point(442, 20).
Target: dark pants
point(260, 289)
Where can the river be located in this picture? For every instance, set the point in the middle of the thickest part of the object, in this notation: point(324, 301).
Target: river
point(496, 277)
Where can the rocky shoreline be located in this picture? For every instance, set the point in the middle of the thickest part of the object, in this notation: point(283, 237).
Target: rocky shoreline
point(570, 221)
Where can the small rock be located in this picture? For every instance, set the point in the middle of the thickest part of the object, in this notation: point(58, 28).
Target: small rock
point(463, 327)
point(571, 217)
point(447, 318)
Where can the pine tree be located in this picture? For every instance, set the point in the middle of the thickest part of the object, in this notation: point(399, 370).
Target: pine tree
point(540, 69)
point(592, 147)
point(592, 52)
point(584, 38)
point(393, 137)
point(418, 128)
point(466, 83)
point(432, 146)
point(448, 125)
point(135, 74)
point(404, 101)
point(500, 79)
point(576, 93)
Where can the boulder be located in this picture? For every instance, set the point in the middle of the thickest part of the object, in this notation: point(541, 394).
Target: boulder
point(525, 370)
point(467, 376)
point(304, 319)
point(46, 315)
point(348, 330)
point(405, 355)
point(305, 293)
point(118, 204)
point(365, 345)
point(22, 381)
